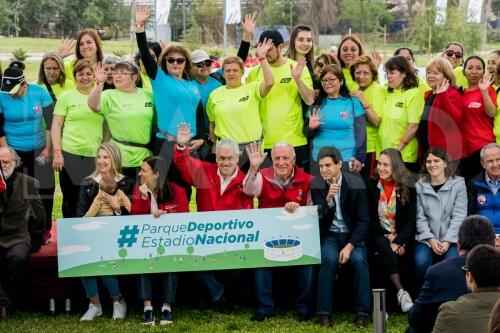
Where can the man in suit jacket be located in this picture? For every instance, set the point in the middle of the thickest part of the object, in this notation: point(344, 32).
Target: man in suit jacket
point(445, 281)
point(344, 221)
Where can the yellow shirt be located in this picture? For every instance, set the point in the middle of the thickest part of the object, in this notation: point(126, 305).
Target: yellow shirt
point(375, 95)
point(461, 81)
point(349, 81)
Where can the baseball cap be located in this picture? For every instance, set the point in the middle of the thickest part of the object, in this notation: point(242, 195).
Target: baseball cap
point(274, 35)
point(199, 56)
point(12, 79)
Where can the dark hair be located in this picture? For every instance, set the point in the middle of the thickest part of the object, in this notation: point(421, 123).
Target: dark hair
point(364, 60)
point(475, 230)
point(356, 41)
point(329, 151)
point(108, 184)
point(439, 153)
point(337, 71)
point(81, 65)
point(454, 43)
point(477, 58)
point(400, 174)
point(400, 64)
point(292, 52)
point(396, 53)
point(127, 65)
point(483, 263)
point(97, 40)
point(159, 165)
point(155, 47)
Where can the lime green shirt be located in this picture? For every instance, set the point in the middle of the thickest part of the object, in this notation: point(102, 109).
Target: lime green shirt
point(82, 129)
point(146, 83)
point(400, 109)
point(68, 68)
point(58, 89)
point(130, 118)
point(375, 95)
point(349, 81)
point(281, 110)
point(236, 112)
point(461, 81)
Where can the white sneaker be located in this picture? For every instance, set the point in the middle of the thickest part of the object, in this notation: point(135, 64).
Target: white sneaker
point(404, 300)
point(119, 309)
point(95, 310)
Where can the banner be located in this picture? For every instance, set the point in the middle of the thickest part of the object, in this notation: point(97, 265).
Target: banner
point(162, 11)
point(232, 13)
point(474, 10)
point(441, 12)
point(187, 242)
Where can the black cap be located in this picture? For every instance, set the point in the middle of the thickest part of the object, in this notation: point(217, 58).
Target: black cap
point(12, 79)
point(274, 35)
point(17, 64)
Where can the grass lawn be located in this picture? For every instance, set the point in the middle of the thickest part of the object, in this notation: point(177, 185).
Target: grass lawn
point(187, 321)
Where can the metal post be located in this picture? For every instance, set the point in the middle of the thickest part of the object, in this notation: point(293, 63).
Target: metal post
point(225, 27)
point(379, 311)
point(183, 18)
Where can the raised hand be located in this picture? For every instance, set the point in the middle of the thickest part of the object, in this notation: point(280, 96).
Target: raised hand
point(297, 70)
point(315, 118)
point(485, 82)
point(264, 47)
point(99, 72)
point(141, 14)
point(443, 86)
point(248, 24)
point(163, 45)
point(66, 47)
point(377, 59)
point(183, 134)
point(255, 156)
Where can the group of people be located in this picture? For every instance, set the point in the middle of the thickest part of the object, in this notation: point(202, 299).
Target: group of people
point(394, 169)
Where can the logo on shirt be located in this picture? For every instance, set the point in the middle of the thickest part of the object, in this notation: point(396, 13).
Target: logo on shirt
point(244, 99)
point(37, 108)
point(481, 200)
point(286, 80)
point(399, 104)
point(300, 195)
point(474, 105)
point(344, 115)
point(148, 104)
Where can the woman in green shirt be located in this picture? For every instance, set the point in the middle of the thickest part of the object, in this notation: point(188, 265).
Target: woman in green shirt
point(76, 135)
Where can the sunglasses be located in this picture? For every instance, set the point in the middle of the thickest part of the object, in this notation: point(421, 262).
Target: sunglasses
point(451, 53)
point(206, 63)
point(179, 61)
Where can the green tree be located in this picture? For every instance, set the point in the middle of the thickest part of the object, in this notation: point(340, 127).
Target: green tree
point(190, 250)
point(160, 250)
point(5, 16)
point(123, 253)
point(364, 15)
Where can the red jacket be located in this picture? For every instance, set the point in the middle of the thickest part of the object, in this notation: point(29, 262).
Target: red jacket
point(178, 204)
point(204, 177)
point(445, 122)
point(273, 195)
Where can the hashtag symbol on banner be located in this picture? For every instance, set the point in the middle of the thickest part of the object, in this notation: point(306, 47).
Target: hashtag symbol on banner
point(128, 236)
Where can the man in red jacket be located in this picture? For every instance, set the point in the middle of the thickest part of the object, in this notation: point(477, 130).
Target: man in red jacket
point(282, 185)
point(218, 187)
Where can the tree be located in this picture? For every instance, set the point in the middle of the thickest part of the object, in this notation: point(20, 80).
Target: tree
point(364, 15)
point(5, 14)
point(190, 250)
point(123, 253)
point(160, 250)
point(321, 15)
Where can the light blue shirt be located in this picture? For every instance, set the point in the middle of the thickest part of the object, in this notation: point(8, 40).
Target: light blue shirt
point(338, 224)
point(493, 185)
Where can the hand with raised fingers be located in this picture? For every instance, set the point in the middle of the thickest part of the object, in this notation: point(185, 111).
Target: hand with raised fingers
point(141, 14)
point(248, 24)
point(183, 134)
point(255, 156)
point(315, 118)
point(264, 47)
point(443, 86)
point(297, 70)
point(99, 73)
point(485, 82)
point(66, 47)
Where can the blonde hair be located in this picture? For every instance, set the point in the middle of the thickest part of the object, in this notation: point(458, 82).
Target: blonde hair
point(55, 57)
point(445, 67)
point(115, 157)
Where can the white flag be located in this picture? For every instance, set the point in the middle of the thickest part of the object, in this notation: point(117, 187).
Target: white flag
point(162, 11)
point(474, 11)
point(441, 12)
point(233, 12)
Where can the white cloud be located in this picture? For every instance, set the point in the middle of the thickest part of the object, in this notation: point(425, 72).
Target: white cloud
point(302, 227)
point(94, 225)
point(72, 249)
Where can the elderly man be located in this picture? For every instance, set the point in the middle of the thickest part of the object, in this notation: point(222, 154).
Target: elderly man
point(482, 190)
point(22, 224)
point(282, 185)
point(218, 187)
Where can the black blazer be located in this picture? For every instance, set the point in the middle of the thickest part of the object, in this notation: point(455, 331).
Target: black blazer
point(406, 215)
point(352, 203)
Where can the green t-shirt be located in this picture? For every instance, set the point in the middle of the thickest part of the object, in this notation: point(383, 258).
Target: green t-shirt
point(459, 75)
point(82, 129)
point(400, 109)
point(236, 112)
point(375, 95)
point(58, 89)
point(68, 68)
point(281, 110)
point(349, 81)
point(146, 83)
point(130, 119)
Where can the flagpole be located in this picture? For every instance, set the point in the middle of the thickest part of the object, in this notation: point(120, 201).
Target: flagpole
point(225, 28)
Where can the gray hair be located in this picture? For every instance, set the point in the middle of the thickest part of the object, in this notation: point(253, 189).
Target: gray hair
point(229, 144)
point(283, 144)
point(14, 156)
point(111, 59)
point(488, 146)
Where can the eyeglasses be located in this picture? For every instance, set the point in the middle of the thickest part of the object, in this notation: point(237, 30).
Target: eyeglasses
point(457, 54)
point(179, 61)
point(330, 81)
point(206, 63)
point(464, 269)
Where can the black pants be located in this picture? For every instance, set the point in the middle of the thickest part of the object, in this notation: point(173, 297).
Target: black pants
point(45, 176)
point(12, 271)
point(388, 258)
point(75, 169)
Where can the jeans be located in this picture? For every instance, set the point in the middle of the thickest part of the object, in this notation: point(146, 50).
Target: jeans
point(214, 288)
point(331, 245)
point(425, 257)
point(111, 283)
point(169, 280)
point(264, 290)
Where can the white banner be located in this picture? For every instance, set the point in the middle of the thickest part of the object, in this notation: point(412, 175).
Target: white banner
point(441, 12)
point(162, 11)
point(233, 12)
point(474, 10)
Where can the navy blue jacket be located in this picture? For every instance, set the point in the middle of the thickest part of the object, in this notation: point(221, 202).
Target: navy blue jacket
point(482, 201)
